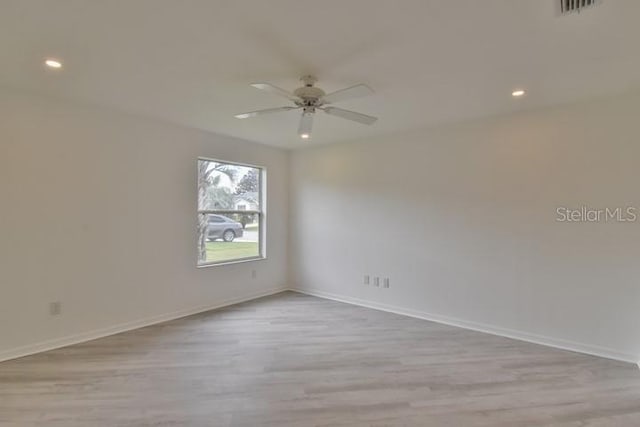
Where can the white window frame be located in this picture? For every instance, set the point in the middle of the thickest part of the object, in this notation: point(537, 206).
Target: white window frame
point(261, 212)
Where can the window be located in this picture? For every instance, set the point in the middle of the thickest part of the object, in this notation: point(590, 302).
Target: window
point(228, 229)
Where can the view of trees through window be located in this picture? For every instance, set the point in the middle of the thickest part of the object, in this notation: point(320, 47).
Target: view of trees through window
point(229, 212)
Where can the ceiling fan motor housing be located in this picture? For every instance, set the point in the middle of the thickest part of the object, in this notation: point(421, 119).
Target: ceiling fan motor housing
point(310, 95)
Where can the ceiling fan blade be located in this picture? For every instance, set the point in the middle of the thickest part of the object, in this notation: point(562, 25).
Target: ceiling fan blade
point(275, 90)
point(306, 123)
point(356, 91)
point(265, 111)
point(350, 115)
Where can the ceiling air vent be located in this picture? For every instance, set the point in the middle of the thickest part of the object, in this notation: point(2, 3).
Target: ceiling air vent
point(570, 6)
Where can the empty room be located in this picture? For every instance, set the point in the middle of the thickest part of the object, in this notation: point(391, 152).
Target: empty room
point(293, 213)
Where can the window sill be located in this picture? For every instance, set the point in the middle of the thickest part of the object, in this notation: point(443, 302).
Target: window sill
point(235, 261)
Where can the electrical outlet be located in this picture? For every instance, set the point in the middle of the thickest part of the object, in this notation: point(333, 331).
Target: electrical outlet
point(376, 281)
point(385, 283)
point(366, 279)
point(254, 274)
point(55, 308)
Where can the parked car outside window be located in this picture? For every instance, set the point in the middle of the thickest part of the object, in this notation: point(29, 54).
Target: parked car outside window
point(221, 227)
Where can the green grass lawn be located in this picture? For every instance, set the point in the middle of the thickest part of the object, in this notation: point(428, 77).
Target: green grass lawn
point(222, 251)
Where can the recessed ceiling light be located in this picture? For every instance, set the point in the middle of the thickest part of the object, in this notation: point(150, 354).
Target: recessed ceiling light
point(518, 93)
point(304, 136)
point(53, 63)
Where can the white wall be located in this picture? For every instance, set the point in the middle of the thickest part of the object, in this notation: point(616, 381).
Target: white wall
point(462, 219)
point(97, 210)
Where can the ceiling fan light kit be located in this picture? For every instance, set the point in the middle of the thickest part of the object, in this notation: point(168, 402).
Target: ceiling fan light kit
point(309, 99)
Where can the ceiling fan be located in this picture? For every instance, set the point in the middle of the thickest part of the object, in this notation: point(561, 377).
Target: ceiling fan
point(309, 99)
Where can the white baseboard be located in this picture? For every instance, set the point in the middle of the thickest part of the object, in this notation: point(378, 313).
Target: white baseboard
point(123, 327)
point(480, 327)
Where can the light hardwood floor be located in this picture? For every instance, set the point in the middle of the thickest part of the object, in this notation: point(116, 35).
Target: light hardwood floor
point(296, 360)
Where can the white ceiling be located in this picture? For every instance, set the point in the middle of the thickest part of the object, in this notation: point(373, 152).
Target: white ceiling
point(191, 61)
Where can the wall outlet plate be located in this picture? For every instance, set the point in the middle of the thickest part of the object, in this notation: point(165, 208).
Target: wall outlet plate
point(376, 281)
point(366, 279)
point(385, 282)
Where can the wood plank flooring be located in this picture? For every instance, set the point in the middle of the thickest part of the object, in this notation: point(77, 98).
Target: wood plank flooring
point(296, 360)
